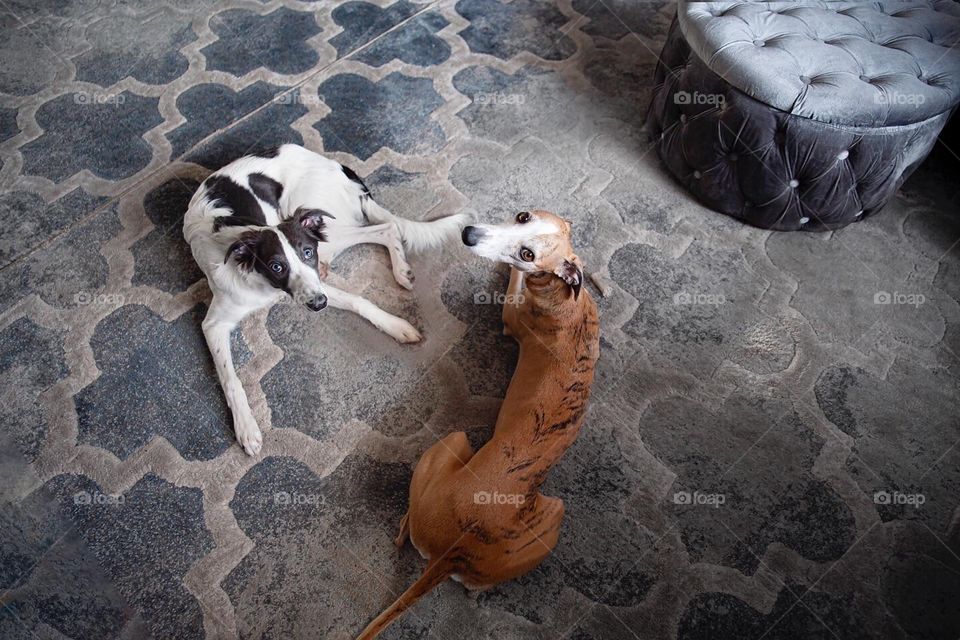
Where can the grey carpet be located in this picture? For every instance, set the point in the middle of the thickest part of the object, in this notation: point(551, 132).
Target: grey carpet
point(771, 450)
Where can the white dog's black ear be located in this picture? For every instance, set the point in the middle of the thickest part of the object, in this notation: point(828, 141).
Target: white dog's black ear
point(312, 222)
point(244, 250)
point(571, 271)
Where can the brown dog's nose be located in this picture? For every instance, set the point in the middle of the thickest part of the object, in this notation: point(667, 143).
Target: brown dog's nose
point(471, 236)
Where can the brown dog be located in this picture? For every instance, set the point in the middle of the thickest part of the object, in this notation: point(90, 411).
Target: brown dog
point(480, 517)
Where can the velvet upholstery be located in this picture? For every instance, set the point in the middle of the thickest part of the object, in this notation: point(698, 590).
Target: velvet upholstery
point(803, 115)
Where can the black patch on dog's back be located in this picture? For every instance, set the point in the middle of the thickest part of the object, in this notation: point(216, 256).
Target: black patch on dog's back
point(224, 193)
point(268, 153)
point(267, 189)
point(353, 177)
point(219, 222)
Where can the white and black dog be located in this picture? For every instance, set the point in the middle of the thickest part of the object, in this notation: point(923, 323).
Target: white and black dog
point(267, 226)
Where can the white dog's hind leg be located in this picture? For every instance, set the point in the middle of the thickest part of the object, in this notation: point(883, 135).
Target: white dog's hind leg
point(217, 326)
point(386, 234)
point(397, 328)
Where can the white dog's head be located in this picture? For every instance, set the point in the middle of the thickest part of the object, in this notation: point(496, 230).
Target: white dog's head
point(285, 257)
point(533, 242)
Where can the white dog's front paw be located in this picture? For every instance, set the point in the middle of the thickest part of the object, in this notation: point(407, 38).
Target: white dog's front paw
point(401, 330)
point(248, 434)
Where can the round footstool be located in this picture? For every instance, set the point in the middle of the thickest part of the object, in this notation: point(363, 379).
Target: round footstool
point(803, 115)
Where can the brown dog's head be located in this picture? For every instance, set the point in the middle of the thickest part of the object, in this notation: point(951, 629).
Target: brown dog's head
point(533, 242)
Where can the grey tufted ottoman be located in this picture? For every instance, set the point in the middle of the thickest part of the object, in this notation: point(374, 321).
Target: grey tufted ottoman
point(803, 115)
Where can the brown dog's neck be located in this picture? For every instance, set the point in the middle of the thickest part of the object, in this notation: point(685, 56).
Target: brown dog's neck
point(548, 295)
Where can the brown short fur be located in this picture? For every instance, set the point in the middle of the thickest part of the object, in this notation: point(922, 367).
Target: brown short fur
point(483, 543)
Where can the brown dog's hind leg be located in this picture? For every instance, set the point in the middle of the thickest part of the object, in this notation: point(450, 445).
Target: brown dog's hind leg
point(534, 544)
point(433, 476)
point(404, 531)
point(447, 454)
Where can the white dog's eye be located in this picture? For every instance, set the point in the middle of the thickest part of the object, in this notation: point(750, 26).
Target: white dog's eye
point(308, 253)
point(276, 267)
point(526, 255)
point(523, 216)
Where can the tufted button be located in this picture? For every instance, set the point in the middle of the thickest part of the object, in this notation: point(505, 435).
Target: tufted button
point(804, 220)
point(732, 157)
point(805, 80)
point(758, 43)
point(697, 175)
point(747, 204)
point(683, 118)
point(866, 79)
point(843, 155)
point(794, 183)
point(858, 214)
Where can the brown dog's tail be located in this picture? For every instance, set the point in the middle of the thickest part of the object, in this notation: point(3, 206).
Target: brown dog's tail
point(435, 573)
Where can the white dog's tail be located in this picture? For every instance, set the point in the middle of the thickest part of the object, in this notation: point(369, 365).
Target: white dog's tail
point(417, 236)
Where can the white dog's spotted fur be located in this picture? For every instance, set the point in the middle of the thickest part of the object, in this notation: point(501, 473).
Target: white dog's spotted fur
point(265, 227)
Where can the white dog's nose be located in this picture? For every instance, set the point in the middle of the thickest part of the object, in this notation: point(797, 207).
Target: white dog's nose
point(317, 302)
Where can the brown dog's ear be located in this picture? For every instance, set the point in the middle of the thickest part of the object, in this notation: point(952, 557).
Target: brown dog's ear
point(244, 250)
point(571, 271)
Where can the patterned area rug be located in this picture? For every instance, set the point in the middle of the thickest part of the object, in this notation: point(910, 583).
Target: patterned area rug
point(772, 446)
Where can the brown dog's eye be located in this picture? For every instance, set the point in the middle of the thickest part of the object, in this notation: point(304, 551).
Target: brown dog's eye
point(526, 255)
point(523, 216)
